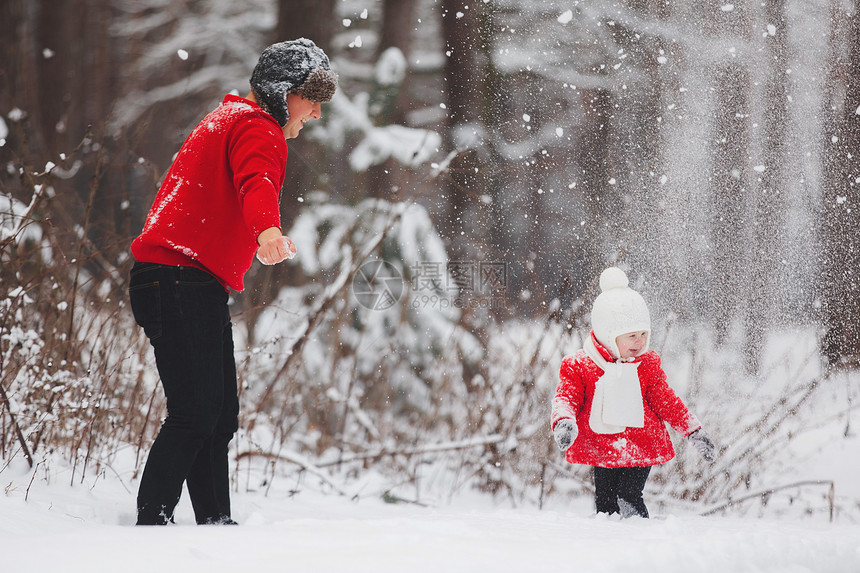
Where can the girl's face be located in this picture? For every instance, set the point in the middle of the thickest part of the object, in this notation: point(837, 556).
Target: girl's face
point(631, 343)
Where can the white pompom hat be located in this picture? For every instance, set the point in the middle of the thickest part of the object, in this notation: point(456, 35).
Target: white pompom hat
point(618, 310)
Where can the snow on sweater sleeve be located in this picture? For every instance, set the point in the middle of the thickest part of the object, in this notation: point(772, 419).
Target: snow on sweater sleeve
point(663, 400)
point(256, 153)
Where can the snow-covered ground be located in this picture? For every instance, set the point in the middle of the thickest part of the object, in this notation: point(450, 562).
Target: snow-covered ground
point(88, 528)
point(52, 520)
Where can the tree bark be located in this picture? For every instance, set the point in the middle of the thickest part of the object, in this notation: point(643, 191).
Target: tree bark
point(397, 25)
point(840, 240)
point(728, 186)
point(460, 29)
point(19, 85)
point(309, 19)
point(386, 179)
point(768, 192)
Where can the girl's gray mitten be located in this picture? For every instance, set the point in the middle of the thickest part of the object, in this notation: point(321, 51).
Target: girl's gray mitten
point(703, 444)
point(565, 433)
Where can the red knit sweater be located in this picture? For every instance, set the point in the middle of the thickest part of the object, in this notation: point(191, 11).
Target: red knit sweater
point(633, 447)
point(220, 193)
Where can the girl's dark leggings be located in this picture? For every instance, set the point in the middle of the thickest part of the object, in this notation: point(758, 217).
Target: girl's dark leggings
point(619, 490)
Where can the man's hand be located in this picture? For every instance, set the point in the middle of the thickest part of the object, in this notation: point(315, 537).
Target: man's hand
point(274, 247)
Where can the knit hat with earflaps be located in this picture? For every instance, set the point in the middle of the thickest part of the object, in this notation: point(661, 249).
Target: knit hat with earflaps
point(298, 67)
point(618, 310)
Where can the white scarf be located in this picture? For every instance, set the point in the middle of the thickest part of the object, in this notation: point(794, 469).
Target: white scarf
point(617, 402)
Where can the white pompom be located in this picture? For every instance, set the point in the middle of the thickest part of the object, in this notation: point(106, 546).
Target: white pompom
point(611, 278)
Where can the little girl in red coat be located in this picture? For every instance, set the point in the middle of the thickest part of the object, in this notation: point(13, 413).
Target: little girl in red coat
point(612, 401)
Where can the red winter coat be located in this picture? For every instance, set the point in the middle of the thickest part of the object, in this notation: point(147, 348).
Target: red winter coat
point(220, 193)
point(645, 446)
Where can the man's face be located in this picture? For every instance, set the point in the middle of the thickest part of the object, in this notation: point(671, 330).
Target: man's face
point(300, 110)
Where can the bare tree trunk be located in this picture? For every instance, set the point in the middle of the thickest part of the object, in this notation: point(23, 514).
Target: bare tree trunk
point(57, 68)
point(397, 25)
point(496, 106)
point(769, 191)
point(396, 32)
point(729, 184)
point(637, 135)
point(840, 280)
point(386, 179)
point(594, 163)
point(309, 19)
point(19, 85)
point(460, 29)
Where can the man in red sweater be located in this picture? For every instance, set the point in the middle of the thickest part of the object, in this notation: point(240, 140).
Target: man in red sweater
point(217, 208)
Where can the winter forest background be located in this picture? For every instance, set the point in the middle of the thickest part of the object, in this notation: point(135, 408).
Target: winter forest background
point(489, 158)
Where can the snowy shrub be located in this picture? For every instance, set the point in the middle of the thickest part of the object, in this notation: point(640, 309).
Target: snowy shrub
point(392, 387)
point(71, 375)
point(19, 232)
point(405, 383)
point(375, 348)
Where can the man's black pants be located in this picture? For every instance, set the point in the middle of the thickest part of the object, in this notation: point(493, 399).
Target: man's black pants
point(183, 311)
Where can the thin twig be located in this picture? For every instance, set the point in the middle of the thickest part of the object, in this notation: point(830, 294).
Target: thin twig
point(32, 479)
point(769, 491)
point(761, 436)
point(94, 184)
point(418, 450)
point(18, 432)
point(300, 461)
